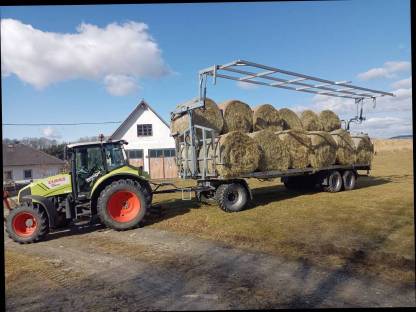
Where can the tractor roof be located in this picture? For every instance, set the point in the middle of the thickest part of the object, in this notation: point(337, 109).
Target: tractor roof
point(97, 143)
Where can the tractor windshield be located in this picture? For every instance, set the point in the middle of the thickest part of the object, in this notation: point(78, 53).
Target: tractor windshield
point(114, 155)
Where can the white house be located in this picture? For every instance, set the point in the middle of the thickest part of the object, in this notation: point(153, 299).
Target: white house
point(22, 163)
point(149, 142)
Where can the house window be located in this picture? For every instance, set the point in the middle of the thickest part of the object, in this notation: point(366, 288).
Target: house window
point(8, 175)
point(163, 152)
point(135, 153)
point(27, 174)
point(144, 130)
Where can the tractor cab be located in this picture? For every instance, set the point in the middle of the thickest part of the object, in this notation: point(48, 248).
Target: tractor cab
point(91, 160)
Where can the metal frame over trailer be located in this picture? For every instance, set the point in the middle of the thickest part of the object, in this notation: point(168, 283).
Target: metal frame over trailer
point(232, 194)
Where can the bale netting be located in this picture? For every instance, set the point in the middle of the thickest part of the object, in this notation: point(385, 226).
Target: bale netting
point(364, 149)
point(310, 121)
point(298, 144)
point(238, 116)
point(345, 154)
point(329, 120)
point(267, 117)
point(235, 154)
point(323, 149)
point(209, 117)
point(273, 152)
point(290, 119)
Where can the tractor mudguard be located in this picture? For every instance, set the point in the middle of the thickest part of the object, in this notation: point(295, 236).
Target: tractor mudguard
point(46, 204)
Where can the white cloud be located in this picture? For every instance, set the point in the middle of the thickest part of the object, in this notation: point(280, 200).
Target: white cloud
point(402, 84)
point(42, 58)
point(51, 133)
point(384, 127)
point(388, 70)
point(120, 85)
point(246, 85)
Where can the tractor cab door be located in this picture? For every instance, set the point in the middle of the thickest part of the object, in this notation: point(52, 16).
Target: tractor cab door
point(89, 166)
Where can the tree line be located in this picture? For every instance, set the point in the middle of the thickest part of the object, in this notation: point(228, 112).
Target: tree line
point(49, 146)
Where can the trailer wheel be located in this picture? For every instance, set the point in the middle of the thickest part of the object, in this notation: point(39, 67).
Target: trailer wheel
point(231, 197)
point(27, 224)
point(349, 180)
point(334, 182)
point(122, 205)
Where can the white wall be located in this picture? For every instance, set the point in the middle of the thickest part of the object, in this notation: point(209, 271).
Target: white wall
point(38, 171)
point(161, 135)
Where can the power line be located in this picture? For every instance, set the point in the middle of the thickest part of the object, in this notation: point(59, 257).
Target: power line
point(61, 124)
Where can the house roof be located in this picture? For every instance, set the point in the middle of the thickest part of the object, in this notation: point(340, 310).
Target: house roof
point(142, 105)
point(24, 155)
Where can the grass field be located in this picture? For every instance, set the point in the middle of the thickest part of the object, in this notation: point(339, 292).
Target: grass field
point(369, 230)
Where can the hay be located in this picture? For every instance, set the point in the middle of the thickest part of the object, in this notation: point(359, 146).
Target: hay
point(209, 117)
point(323, 149)
point(273, 153)
point(235, 154)
point(364, 149)
point(310, 121)
point(345, 154)
point(238, 116)
point(267, 117)
point(290, 119)
point(298, 144)
point(329, 120)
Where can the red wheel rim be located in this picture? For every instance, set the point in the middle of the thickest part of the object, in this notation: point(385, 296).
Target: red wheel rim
point(123, 206)
point(24, 224)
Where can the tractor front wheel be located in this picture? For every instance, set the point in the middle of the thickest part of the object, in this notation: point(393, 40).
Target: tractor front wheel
point(122, 205)
point(27, 224)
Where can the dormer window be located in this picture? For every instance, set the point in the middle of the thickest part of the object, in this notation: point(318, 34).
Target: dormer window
point(144, 130)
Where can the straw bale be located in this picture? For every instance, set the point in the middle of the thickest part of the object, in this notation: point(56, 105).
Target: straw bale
point(267, 117)
point(345, 147)
point(298, 144)
point(310, 121)
point(290, 119)
point(329, 120)
point(238, 116)
point(323, 151)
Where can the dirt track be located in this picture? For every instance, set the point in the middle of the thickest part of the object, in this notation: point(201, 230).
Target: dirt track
point(147, 269)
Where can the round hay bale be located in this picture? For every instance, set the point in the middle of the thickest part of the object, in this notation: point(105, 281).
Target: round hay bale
point(310, 121)
point(209, 117)
point(298, 144)
point(238, 116)
point(364, 149)
point(323, 149)
point(290, 119)
point(345, 154)
point(267, 117)
point(235, 154)
point(273, 153)
point(329, 120)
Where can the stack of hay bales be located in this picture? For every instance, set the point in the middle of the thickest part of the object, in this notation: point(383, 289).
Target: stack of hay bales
point(209, 117)
point(323, 149)
point(364, 149)
point(267, 117)
point(290, 119)
point(345, 154)
point(329, 120)
point(274, 155)
point(237, 115)
point(310, 121)
point(299, 145)
point(235, 153)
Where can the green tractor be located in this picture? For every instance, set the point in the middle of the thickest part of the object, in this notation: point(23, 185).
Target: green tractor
point(100, 183)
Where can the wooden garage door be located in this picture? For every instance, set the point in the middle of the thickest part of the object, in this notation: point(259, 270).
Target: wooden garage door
point(135, 157)
point(162, 164)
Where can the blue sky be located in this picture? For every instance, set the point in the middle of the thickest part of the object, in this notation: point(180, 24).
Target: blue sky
point(336, 40)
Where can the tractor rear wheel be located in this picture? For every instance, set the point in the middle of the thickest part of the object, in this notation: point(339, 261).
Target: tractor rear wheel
point(27, 224)
point(122, 205)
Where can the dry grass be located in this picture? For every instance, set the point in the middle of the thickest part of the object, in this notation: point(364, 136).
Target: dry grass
point(369, 230)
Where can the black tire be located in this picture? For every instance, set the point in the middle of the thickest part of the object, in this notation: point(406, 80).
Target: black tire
point(349, 180)
point(25, 232)
point(231, 197)
point(334, 182)
point(112, 215)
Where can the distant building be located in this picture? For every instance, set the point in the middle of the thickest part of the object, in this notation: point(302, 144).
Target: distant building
point(22, 163)
point(149, 142)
